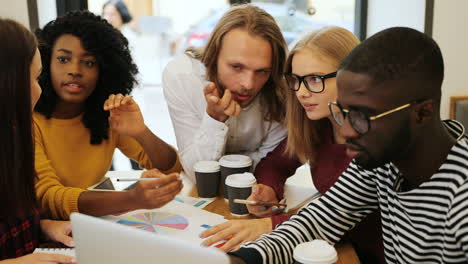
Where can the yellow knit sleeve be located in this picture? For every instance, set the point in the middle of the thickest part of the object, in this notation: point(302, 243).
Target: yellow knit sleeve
point(133, 150)
point(56, 200)
point(177, 165)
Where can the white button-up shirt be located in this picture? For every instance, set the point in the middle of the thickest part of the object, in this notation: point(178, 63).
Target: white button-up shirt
point(199, 136)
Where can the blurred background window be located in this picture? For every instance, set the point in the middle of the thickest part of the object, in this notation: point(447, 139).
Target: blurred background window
point(158, 30)
point(178, 24)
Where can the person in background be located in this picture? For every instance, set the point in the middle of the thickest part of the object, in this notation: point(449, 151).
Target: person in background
point(21, 226)
point(226, 97)
point(117, 14)
point(406, 161)
point(313, 137)
point(84, 114)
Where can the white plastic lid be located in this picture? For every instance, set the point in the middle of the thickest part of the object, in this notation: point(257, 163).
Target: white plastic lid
point(206, 166)
point(315, 252)
point(241, 180)
point(235, 161)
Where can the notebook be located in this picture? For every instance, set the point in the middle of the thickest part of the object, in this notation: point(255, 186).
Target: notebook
point(299, 189)
point(101, 241)
point(298, 196)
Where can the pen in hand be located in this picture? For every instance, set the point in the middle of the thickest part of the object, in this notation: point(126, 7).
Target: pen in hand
point(135, 179)
point(140, 179)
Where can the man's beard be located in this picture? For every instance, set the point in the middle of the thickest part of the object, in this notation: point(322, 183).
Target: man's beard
point(222, 88)
point(395, 150)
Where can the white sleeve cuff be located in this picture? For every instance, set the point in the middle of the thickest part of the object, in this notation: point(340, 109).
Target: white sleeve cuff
point(210, 124)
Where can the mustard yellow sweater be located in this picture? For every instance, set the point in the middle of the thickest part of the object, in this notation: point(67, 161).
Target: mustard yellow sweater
point(66, 163)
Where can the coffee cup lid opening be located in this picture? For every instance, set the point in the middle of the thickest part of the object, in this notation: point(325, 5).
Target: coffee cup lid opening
point(235, 161)
point(314, 252)
point(241, 180)
point(206, 166)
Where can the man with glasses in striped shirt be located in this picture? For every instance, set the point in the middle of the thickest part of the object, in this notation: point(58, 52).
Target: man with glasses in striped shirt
point(406, 161)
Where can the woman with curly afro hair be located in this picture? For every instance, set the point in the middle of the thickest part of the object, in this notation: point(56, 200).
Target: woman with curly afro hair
point(84, 113)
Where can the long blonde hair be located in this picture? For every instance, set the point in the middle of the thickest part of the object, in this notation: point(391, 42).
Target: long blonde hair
point(258, 23)
point(304, 135)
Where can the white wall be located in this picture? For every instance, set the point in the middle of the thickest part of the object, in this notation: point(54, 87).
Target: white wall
point(95, 6)
point(47, 11)
point(449, 22)
point(17, 10)
point(449, 30)
point(382, 14)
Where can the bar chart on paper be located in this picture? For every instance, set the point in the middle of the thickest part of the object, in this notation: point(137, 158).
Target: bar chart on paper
point(157, 222)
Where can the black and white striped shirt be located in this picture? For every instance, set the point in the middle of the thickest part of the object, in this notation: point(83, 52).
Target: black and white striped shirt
point(428, 224)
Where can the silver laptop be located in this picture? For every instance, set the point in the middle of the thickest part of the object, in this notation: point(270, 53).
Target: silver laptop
point(101, 241)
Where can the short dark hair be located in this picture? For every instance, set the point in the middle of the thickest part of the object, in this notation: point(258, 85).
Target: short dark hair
point(17, 175)
point(117, 70)
point(398, 53)
point(121, 8)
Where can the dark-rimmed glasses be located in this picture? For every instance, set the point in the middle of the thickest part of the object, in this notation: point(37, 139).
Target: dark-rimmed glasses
point(359, 120)
point(313, 82)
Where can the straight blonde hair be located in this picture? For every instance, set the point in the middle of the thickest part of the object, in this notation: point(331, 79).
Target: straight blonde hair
point(305, 135)
point(256, 22)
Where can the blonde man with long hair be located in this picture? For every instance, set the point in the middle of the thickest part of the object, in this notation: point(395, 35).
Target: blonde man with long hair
point(226, 97)
point(313, 137)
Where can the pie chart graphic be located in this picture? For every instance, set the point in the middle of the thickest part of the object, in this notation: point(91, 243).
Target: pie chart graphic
point(156, 222)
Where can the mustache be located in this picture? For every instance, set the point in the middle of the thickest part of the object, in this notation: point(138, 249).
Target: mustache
point(222, 88)
point(244, 92)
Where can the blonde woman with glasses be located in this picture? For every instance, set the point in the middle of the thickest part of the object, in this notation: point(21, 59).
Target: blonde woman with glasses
point(313, 137)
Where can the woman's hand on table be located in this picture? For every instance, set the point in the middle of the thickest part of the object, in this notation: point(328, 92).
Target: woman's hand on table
point(236, 232)
point(59, 231)
point(41, 258)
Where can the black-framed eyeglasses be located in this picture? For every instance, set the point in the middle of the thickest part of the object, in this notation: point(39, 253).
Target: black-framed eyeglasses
point(313, 82)
point(359, 120)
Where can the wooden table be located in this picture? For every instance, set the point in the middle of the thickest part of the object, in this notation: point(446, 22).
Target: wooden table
point(346, 253)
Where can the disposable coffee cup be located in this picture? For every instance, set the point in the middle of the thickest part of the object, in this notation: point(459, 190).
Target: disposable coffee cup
point(207, 174)
point(233, 164)
point(315, 252)
point(239, 186)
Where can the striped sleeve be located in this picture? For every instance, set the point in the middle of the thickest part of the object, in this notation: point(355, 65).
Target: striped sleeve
point(458, 217)
point(352, 198)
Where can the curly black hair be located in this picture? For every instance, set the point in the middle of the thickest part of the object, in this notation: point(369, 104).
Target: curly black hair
point(117, 71)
